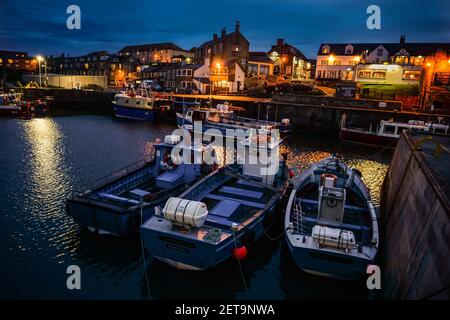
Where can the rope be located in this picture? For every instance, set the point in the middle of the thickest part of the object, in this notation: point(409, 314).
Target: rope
point(144, 259)
point(383, 149)
point(240, 267)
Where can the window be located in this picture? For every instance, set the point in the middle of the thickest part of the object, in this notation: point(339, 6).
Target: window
point(326, 49)
point(173, 84)
point(349, 49)
point(264, 69)
point(189, 72)
point(324, 62)
point(380, 52)
point(252, 69)
point(411, 75)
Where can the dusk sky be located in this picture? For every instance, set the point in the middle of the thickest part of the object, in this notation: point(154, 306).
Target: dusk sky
point(39, 27)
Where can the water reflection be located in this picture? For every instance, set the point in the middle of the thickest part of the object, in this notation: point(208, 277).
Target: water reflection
point(52, 157)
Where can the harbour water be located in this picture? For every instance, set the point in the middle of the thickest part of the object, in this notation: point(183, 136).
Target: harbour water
point(44, 161)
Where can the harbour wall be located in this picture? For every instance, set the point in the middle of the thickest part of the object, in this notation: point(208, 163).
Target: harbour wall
point(306, 113)
point(415, 213)
point(71, 101)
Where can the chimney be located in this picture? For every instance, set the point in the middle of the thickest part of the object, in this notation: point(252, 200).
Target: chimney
point(215, 36)
point(402, 39)
point(280, 42)
point(224, 32)
point(238, 27)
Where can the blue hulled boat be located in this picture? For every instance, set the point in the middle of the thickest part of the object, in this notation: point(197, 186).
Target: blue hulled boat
point(222, 117)
point(218, 216)
point(331, 225)
point(142, 104)
point(128, 197)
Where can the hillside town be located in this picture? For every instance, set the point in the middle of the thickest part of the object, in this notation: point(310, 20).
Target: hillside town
point(416, 74)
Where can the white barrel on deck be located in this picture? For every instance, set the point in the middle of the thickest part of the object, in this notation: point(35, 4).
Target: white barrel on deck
point(184, 212)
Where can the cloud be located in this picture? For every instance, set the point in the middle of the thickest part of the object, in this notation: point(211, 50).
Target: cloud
point(40, 26)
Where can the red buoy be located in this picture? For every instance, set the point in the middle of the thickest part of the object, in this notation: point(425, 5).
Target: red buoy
point(240, 253)
point(291, 174)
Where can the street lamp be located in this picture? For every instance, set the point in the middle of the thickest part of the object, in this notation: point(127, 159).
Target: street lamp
point(39, 59)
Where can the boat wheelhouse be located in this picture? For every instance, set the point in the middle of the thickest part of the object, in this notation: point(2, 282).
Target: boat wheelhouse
point(331, 224)
point(124, 199)
point(219, 215)
point(387, 132)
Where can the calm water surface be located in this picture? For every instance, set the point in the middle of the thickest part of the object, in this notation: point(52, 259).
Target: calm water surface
point(43, 161)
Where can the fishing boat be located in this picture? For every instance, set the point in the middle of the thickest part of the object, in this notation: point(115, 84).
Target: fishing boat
point(219, 216)
point(331, 224)
point(222, 118)
point(9, 105)
point(142, 104)
point(14, 105)
point(387, 133)
point(120, 202)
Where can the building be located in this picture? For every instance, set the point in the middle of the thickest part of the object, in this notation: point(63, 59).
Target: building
point(259, 65)
point(166, 52)
point(118, 69)
point(289, 62)
point(174, 77)
point(226, 56)
point(341, 61)
point(17, 60)
point(94, 64)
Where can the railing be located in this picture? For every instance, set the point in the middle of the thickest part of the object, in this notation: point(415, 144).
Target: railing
point(112, 176)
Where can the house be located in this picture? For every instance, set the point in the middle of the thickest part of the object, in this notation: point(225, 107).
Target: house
point(259, 65)
point(226, 57)
point(156, 52)
point(289, 62)
point(342, 61)
point(18, 61)
point(176, 77)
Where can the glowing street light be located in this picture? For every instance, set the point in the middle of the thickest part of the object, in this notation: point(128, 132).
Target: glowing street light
point(40, 59)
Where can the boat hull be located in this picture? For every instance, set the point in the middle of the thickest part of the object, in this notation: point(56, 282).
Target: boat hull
point(107, 220)
point(367, 138)
point(329, 264)
point(134, 113)
point(182, 253)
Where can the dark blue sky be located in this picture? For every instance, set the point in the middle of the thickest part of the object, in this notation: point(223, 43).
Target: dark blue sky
point(40, 26)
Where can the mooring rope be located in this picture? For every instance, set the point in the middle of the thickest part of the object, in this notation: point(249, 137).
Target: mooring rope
point(144, 259)
point(240, 266)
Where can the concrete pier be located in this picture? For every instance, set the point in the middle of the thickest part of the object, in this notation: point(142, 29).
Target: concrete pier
point(415, 219)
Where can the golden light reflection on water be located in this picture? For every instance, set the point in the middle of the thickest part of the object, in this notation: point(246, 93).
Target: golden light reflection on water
point(49, 181)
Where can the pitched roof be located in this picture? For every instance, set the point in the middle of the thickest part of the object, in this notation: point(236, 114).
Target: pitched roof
point(151, 46)
point(259, 57)
point(219, 39)
point(392, 48)
point(286, 48)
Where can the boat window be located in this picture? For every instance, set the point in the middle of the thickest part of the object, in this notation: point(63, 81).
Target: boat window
point(138, 102)
point(198, 116)
point(389, 129)
point(189, 113)
point(126, 101)
point(149, 104)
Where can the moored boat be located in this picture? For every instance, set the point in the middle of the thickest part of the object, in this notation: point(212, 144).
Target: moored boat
point(222, 118)
point(387, 133)
point(142, 104)
point(119, 203)
point(14, 105)
point(331, 224)
point(219, 216)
